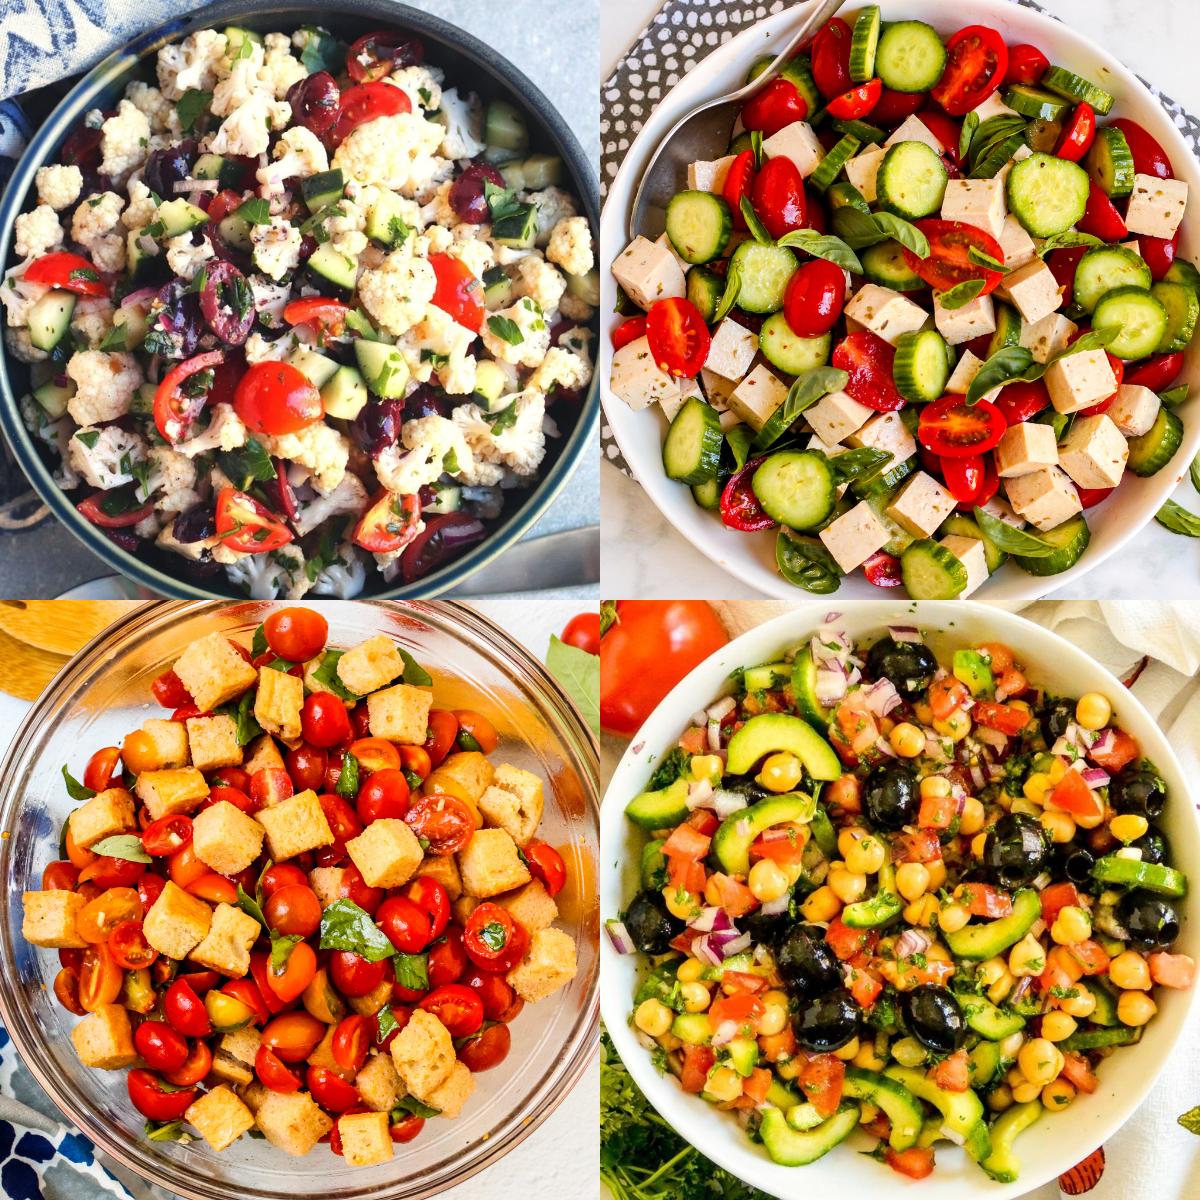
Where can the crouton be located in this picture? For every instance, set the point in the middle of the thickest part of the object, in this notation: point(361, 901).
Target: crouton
point(462, 908)
point(214, 672)
point(531, 906)
point(170, 742)
point(423, 1053)
point(452, 1093)
point(548, 964)
point(277, 704)
point(370, 665)
point(220, 1117)
point(167, 792)
point(292, 1121)
point(515, 802)
point(213, 742)
point(226, 839)
point(252, 1095)
point(327, 883)
point(366, 1138)
point(263, 755)
point(295, 825)
point(226, 946)
point(49, 919)
point(233, 1060)
point(177, 922)
point(106, 813)
point(104, 1039)
point(400, 714)
point(444, 870)
point(378, 1083)
point(490, 863)
point(386, 853)
point(466, 776)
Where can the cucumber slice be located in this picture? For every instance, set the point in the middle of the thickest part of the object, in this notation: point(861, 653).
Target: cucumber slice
point(764, 272)
point(1070, 540)
point(344, 396)
point(178, 217)
point(692, 448)
point(831, 165)
point(863, 130)
point(786, 350)
point(1105, 268)
point(1075, 87)
point(385, 219)
point(965, 526)
point(497, 288)
point(791, 1148)
point(962, 1111)
point(338, 268)
point(911, 181)
point(705, 289)
point(989, 938)
point(921, 367)
point(769, 732)
point(1150, 452)
point(585, 287)
point(732, 841)
point(542, 171)
point(1033, 102)
point(897, 1102)
point(864, 43)
point(768, 677)
point(740, 144)
point(383, 368)
point(1110, 163)
point(983, 1064)
point(504, 128)
point(910, 56)
point(1182, 307)
point(699, 225)
point(1001, 1164)
point(49, 317)
point(1182, 271)
point(796, 488)
point(804, 684)
point(988, 1021)
point(844, 194)
point(1047, 194)
point(1008, 329)
point(322, 189)
point(884, 263)
point(690, 1031)
point(314, 366)
point(708, 494)
point(1140, 316)
point(930, 572)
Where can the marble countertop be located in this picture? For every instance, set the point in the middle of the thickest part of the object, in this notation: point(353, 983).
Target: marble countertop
point(642, 554)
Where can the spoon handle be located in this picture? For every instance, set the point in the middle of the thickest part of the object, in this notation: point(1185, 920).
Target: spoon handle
point(815, 19)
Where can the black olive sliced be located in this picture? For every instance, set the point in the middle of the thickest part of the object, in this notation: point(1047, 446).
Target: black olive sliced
point(1138, 789)
point(1149, 919)
point(650, 925)
point(910, 666)
point(1016, 850)
point(934, 1018)
point(806, 961)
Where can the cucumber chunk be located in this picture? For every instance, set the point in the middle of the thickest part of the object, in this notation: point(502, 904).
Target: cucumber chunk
point(1150, 452)
point(1075, 87)
point(692, 449)
point(910, 56)
point(1105, 268)
point(884, 263)
point(1001, 1164)
point(338, 268)
point(921, 368)
point(863, 44)
point(504, 128)
point(323, 189)
point(769, 732)
point(1047, 194)
point(383, 368)
point(663, 809)
point(317, 368)
point(764, 272)
point(989, 938)
point(1070, 540)
point(1139, 315)
point(733, 839)
point(1109, 162)
point(699, 225)
point(788, 351)
point(930, 572)
point(912, 180)
point(705, 289)
point(1182, 307)
point(791, 1148)
point(1036, 103)
point(344, 396)
point(796, 488)
point(49, 317)
point(898, 1104)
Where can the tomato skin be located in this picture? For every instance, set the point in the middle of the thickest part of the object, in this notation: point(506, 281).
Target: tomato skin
point(389, 523)
point(384, 795)
point(281, 875)
point(351, 1041)
point(107, 872)
point(72, 272)
point(60, 876)
point(100, 768)
point(149, 888)
point(277, 398)
point(1018, 402)
point(628, 331)
point(815, 297)
point(296, 634)
point(100, 978)
point(296, 976)
point(185, 1010)
point(952, 429)
point(739, 184)
point(883, 570)
point(493, 939)
point(964, 477)
point(294, 909)
point(1100, 216)
point(324, 720)
point(1026, 64)
point(431, 897)
point(868, 360)
point(167, 834)
point(364, 102)
point(444, 822)
point(355, 888)
point(857, 101)
point(1157, 372)
point(679, 338)
point(407, 926)
point(774, 107)
point(448, 960)
point(375, 754)
point(1149, 158)
point(147, 1096)
point(173, 411)
point(1159, 253)
point(457, 1007)
point(831, 58)
point(407, 1129)
point(778, 197)
point(976, 63)
point(583, 632)
point(293, 1035)
point(323, 314)
point(740, 509)
point(353, 975)
point(163, 1048)
point(546, 864)
point(1078, 133)
point(495, 992)
point(475, 731)
point(272, 1073)
point(331, 1091)
point(306, 766)
point(1090, 497)
point(245, 525)
point(894, 107)
point(916, 1162)
point(487, 1049)
point(458, 292)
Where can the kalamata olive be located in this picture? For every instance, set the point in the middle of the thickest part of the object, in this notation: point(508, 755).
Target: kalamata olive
point(227, 303)
point(890, 796)
point(81, 149)
point(280, 493)
point(934, 1018)
point(767, 929)
point(1138, 789)
point(125, 538)
point(165, 168)
point(195, 524)
point(377, 54)
point(315, 101)
point(378, 426)
point(426, 401)
point(1016, 850)
point(828, 1022)
point(1150, 919)
point(910, 666)
point(444, 538)
point(177, 321)
point(806, 961)
point(1153, 845)
point(650, 924)
point(466, 193)
point(1054, 718)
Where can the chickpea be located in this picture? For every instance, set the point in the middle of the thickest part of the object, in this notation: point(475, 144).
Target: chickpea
point(921, 911)
point(1059, 825)
point(1130, 971)
point(847, 1052)
point(1036, 788)
point(1027, 957)
point(1135, 1008)
point(1093, 711)
point(868, 1058)
point(1011, 1045)
point(912, 879)
point(1040, 1061)
point(863, 852)
point(937, 873)
point(690, 970)
point(1080, 1005)
point(712, 893)
point(724, 1084)
point(973, 816)
point(780, 772)
point(956, 726)
point(1000, 1098)
point(696, 997)
point(935, 787)
point(680, 904)
point(843, 792)
point(653, 1017)
point(821, 905)
point(908, 1052)
point(952, 917)
point(847, 886)
point(1071, 926)
point(907, 740)
point(1128, 827)
point(1057, 1095)
point(1057, 1026)
point(774, 1020)
point(977, 844)
point(767, 881)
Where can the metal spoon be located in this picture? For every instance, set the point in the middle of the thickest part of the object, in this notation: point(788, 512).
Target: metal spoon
point(703, 134)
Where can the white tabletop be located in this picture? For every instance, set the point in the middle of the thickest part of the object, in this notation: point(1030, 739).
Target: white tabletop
point(644, 556)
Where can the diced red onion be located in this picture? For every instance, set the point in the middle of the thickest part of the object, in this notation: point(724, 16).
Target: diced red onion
point(195, 185)
point(722, 709)
point(703, 951)
point(1065, 748)
point(881, 697)
point(912, 941)
point(1079, 765)
point(726, 1032)
point(1042, 880)
point(709, 919)
point(884, 746)
point(830, 617)
point(1021, 990)
point(619, 936)
point(1094, 777)
point(701, 794)
point(727, 803)
point(953, 1135)
point(713, 731)
point(994, 772)
point(978, 778)
point(831, 685)
point(933, 747)
point(141, 296)
point(730, 943)
point(779, 905)
point(904, 633)
point(147, 244)
point(1104, 743)
point(699, 717)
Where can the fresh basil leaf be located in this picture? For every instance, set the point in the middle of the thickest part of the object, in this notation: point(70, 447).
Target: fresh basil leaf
point(1175, 395)
point(1094, 339)
point(249, 905)
point(858, 464)
point(127, 846)
point(412, 970)
point(822, 245)
point(282, 946)
point(905, 232)
point(506, 418)
point(805, 563)
point(190, 106)
point(739, 439)
point(758, 231)
point(242, 715)
point(729, 297)
point(982, 259)
point(327, 674)
point(88, 437)
point(1008, 538)
point(117, 338)
point(806, 390)
point(258, 644)
point(506, 329)
point(502, 202)
point(385, 1022)
point(756, 144)
point(1007, 364)
point(345, 926)
point(1064, 241)
point(165, 1131)
point(247, 465)
point(322, 52)
point(579, 674)
point(410, 1106)
point(1176, 518)
point(347, 783)
point(414, 675)
point(969, 126)
point(857, 228)
point(255, 211)
point(75, 789)
point(961, 294)
point(494, 936)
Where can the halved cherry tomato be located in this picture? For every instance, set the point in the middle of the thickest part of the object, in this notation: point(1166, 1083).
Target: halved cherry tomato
point(269, 786)
point(882, 569)
point(351, 1041)
point(163, 1048)
point(167, 835)
point(1018, 402)
point(739, 183)
point(1090, 497)
point(100, 978)
point(458, 292)
point(475, 731)
point(1149, 158)
point(149, 888)
point(195, 1068)
point(857, 101)
point(740, 508)
point(444, 822)
point(365, 102)
point(78, 856)
point(245, 525)
point(458, 1008)
point(60, 876)
point(868, 360)
point(71, 272)
point(129, 948)
point(354, 975)
point(448, 960)
point(778, 197)
point(546, 864)
point(679, 338)
point(272, 1073)
point(389, 524)
point(94, 510)
point(414, 760)
point(1078, 133)
point(965, 478)
point(154, 1102)
point(247, 991)
point(292, 910)
point(953, 429)
point(775, 106)
point(949, 262)
point(277, 398)
point(629, 330)
point(1026, 64)
point(375, 754)
point(1100, 216)
point(331, 1091)
point(1005, 718)
point(492, 938)
point(947, 131)
point(976, 63)
point(815, 296)
point(169, 691)
point(486, 1049)
point(174, 411)
point(1159, 253)
point(296, 975)
point(214, 888)
point(99, 917)
point(831, 58)
point(100, 768)
point(321, 313)
point(1157, 372)
point(433, 900)
point(293, 1035)
point(185, 868)
point(893, 107)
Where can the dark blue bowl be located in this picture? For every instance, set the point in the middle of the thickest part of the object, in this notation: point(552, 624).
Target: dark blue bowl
point(464, 57)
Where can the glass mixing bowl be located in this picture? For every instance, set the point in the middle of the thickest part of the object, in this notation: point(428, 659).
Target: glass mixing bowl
point(103, 693)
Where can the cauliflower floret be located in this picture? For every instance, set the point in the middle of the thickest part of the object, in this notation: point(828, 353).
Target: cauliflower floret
point(397, 293)
point(280, 70)
point(298, 154)
point(54, 434)
point(527, 334)
point(521, 446)
point(463, 118)
point(97, 227)
point(92, 318)
point(104, 456)
point(345, 576)
point(241, 84)
point(104, 385)
point(260, 349)
point(160, 112)
point(191, 64)
point(38, 232)
point(474, 252)
point(225, 432)
point(553, 206)
point(571, 246)
point(399, 151)
point(319, 447)
point(278, 574)
point(59, 185)
point(440, 334)
point(142, 208)
point(174, 476)
point(578, 341)
point(276, 247)
point(21, 348)
point(201, 550)
point(345, 229)
point(148, 526)
point(184, 258)
point(574, 309)
point(538, 280)
point(561, 368)
point(439, 212)
point(18, 297)
point(431, 446)
point(348, 497)
point(422, 85)
point(124, 142)
point(247, 129)
point(270, 299)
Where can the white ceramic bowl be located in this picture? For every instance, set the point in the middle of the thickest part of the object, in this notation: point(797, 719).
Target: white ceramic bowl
point(1055, 1143)
point(751, 557)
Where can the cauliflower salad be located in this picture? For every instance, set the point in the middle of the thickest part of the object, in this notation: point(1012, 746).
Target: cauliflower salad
point(299, 310)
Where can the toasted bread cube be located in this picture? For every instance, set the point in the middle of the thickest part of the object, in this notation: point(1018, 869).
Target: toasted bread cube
point(522, 819)
point(292, 1121)
point(531, 906)
point(466, 775)
point(170, 742)
point(177, 922)
point(374, 1000)
point(295, 825)
point(370, 665)
point(548, 964)
point(387, 853)
point(322, 1056)
point(213, 742)
point(378, 1083)
point(49, 919)
point(106, 813)
point(104, 1039)
point(327, 883)
point(220, 1117)
point(462, 908)
point(366, 1138)
point(423, 1053)
point(263, 755)
point(400, 714)
point(226, 947)
point(233, 1061)
point(451, 1095)
point(491, 863)
point(214, 672)
point(278, 702)
point(226, 839)
point(444, 869)
point(165, 793)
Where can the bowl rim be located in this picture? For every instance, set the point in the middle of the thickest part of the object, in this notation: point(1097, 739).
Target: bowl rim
point(662, 727)
point(739, 558)
point(45, 139)
point(468, 624)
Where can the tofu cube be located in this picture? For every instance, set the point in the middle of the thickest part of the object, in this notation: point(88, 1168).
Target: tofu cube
point(400, 713)
point(213, 742)
point(671, 405)
point(104, 1039)
point(798, 142)
point(1094, 452)
point(1156, 206)
point(220, 1117)
point(855, 536)
point(915, 130)
point(1026, 447)
point(1134, 245)
point(226, 946)
point(835, 417)
point(387, 853)
point(972, 320)
point(490, 863)
point(170, 742)
point(214, 672)
point(1033, 289)
point(366, 1138)
point(291, 1121)
point(263, 755)
point(548, 965)
point(444, 869)
point(709, 176)
point(1135, 409)
point(665, 242)
point(226, 839)
point(165, 793)
point(531, 906)
point(993, 106)
point(886, 431)
point(717, 389)
point(1020, 153)
point(921, 505)
point(978, 202)
point(370, 665)
point(177, 922)
point(295, 825)
point(728, 421)
point(970, 552)
point(233, 1060)
point(647, 273)
point(1047, 337)
point(1000, 508)
point(732, 352)
point(758, 396)
point(106, 813)
point(1080, 380)
point(451, 1095)
point(49, 919)
point(519, 807)
point(886, 313)
point(467, 775)
point(378, 1083)
point(327, 883)
point(277, 704)
point(863, 169)
point(1045, 498)
point(1017, 245)
point(964, 371)
point(423, 1053)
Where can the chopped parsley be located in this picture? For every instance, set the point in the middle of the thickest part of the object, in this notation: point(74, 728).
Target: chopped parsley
point(506, 329)
point(191, 106)
point(255, 212)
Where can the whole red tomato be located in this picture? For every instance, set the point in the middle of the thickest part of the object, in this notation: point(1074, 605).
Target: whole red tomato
point(649, 646)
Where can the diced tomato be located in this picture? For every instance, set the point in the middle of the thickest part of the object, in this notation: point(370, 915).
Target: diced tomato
point(688, 843)
point(1121, 753)
point(776, 1047)
point(705, 821)
point(863, 986)
point(937, 812)
point(1078, 1071)
point(1055, 898)
point(848, 943)
point(868, 360)
point(1078, 133)
point(784, 844)
point(321, 312)
point(947, 696)
point(1172, 970)
point(742, 1008)
point(1062, 970)
point(1090, 955)
point(1002, 717)
point(694, 741)
point(984, 900)
point(69, 271)
point(822, 1081)
point(757, 1086)
point(951, 1072)
point(883, 570)
point(1074, 796)
point(1100, 216)
point(916, 1162)
point(741, 981)
point(735, 898)
point(919, 845)
point(686, 875)
point(697, 1062)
